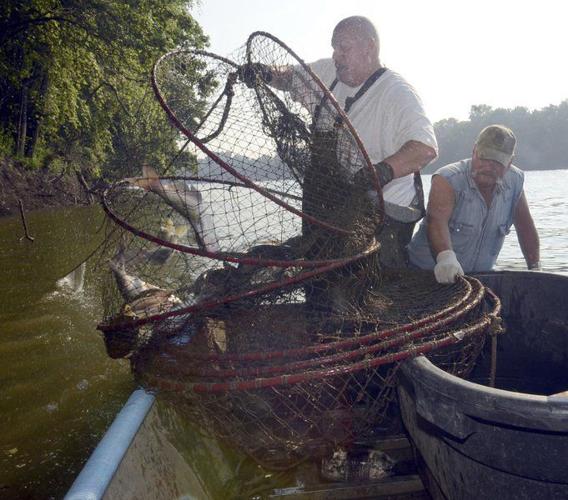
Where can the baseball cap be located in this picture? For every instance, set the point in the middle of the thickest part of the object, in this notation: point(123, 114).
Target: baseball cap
point(496, 142)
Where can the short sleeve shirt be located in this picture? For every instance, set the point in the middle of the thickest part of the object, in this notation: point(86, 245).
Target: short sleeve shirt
point(389, 114)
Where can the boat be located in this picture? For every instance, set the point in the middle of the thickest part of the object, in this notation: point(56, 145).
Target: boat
point(509, 441)
point(150, 452)
point(465, 439)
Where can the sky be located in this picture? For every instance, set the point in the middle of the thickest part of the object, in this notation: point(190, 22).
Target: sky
point(456, 53)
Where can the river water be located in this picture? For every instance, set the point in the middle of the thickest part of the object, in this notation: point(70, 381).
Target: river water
point(60, 391)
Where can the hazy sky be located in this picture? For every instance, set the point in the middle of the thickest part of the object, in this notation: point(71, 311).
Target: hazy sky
point(503, 53)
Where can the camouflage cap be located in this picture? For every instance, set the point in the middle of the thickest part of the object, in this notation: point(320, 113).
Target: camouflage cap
point(497, 143)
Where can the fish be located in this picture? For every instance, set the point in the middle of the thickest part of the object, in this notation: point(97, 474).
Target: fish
point(160, 255)
point(75, 280)
point(130, 287)
point(364, 465)
point(186, 200)
point(213, 283)
point(257, 275)
point(141, 299)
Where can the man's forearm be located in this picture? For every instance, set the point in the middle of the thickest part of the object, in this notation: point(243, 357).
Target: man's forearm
point(530, 245)
point(527, 233)
point(410, 158)
point(438, 236)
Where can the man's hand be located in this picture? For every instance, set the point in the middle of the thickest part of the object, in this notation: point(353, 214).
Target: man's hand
point(249, 72)
point(447, 267)
point(362, 178)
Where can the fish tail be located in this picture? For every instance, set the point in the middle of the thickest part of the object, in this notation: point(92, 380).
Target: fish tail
point(152, 178)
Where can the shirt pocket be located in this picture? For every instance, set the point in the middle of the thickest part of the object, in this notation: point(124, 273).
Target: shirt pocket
point(462, 236)
point(502, 231)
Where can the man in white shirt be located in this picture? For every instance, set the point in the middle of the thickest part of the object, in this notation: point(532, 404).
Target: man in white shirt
point(389, 118)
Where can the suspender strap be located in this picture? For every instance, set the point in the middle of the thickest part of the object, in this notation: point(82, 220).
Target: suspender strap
point(372, 79)
point(351, 100)
point(419, 194)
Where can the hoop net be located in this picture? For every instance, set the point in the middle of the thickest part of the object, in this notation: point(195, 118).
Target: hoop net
point(246, 285)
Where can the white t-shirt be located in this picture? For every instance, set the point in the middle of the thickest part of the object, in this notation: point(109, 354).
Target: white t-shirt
point(386, 116)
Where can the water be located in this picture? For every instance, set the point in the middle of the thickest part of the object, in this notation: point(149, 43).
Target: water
point(59, 389)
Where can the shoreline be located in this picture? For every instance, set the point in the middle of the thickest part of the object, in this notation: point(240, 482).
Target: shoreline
point(38, 189)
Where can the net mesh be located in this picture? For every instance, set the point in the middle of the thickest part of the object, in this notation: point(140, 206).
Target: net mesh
point(244, 280)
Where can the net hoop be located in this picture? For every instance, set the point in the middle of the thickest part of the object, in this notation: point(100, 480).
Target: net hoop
point(318, 375)
point(369, 345)
point(473, 294)
point(199, 143)
point(209, 305)
point(386, 339)
point(221, 256)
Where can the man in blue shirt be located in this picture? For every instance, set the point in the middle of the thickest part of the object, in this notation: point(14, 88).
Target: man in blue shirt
point(472, 205)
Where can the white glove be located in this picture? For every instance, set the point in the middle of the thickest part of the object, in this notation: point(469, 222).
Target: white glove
point(447, 267)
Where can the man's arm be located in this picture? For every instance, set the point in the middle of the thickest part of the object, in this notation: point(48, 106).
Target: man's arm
point(527, 233)
point(440, 207)
point(410, 158)
point(282, 77)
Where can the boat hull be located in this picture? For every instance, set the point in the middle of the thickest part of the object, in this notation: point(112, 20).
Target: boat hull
point(508, 442)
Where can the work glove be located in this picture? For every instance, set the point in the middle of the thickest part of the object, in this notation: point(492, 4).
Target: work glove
point(362, 178)
point(447, 267)
point(249, 72)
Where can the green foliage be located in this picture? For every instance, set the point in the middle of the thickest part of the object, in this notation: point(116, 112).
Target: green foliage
point(74, 81)
point(6, 143)
point(541, 135)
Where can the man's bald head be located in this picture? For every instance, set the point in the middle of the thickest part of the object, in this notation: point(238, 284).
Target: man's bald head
point(355, 45)
point(358, 26)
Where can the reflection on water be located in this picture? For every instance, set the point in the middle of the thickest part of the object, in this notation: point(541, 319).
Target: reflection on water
point(60, 391)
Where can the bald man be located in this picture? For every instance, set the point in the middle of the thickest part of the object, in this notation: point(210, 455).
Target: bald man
point(389, 118)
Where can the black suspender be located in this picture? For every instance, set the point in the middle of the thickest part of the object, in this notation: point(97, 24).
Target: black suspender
point(368, 82)
point(349, 101)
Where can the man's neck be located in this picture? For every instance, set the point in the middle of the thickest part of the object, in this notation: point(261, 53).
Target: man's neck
point(487, 193)
point(372, 69)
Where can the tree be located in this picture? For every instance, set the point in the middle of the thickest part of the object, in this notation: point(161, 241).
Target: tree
point(75, 78)
point(541, 135)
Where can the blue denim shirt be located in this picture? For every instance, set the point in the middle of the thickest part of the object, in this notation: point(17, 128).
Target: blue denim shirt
point(476, 230)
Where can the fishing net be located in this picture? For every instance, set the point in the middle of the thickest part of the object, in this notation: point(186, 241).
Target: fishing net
point(245, 283)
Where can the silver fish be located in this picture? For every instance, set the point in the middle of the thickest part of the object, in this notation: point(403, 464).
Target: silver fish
point(141, 300)
point(75, 280)
point(185, 199)
point(130, 287)
point(160, 255)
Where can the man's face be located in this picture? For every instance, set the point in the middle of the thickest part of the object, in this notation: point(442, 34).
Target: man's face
point(487, 173)
point(352, 56)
